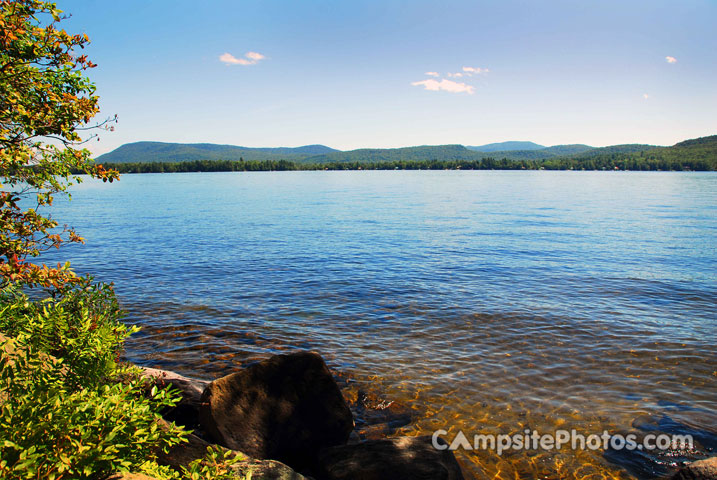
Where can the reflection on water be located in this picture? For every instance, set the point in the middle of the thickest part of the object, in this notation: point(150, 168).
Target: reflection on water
point(487, 302)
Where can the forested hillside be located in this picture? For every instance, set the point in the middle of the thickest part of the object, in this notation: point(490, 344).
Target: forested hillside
point(696, 154)
point(506, 147)
point(180, 152)
point(406, 154)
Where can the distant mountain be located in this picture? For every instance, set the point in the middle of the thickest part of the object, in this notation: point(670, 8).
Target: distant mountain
point(699, 143)
point(506, 147)
point(183, 152)
point(447, 153)
point(573, 149)
point(703, 149)
point(532, 152)
point(695, 154)
point(700, 150)
point(627, 148)
point(375, 155)
point(543, 153)
point(305, 150)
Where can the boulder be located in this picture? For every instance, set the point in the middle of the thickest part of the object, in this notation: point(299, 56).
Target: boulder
point(402, 458)
point(196, 448)
point(267, 470)
point(186, 412)
point(285, 408)
point(700, 470)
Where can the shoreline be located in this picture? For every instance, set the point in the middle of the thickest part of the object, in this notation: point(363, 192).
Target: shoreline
point(194, 393)
point(503, 165)
point(233, 411)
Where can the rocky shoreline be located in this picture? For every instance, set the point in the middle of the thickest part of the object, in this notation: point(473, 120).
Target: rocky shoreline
point(287, 419)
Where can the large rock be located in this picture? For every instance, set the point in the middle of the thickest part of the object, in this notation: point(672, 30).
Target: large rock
point(267, 470)
point(285, 408)
point(403, 458)
point(186, 412)
point(195, 448)
point(700, 470)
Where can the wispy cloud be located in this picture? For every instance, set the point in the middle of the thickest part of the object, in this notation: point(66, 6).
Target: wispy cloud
point(437, 83)
point(445, 85)
point(250, 58)
point(475, 70)
point(670, 59)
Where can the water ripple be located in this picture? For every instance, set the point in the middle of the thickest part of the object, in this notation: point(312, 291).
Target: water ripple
point(488, 302)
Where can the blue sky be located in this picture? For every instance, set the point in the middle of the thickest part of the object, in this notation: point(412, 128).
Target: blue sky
point(383, 73)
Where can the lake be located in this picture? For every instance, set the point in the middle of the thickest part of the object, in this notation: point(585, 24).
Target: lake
point(485, 301)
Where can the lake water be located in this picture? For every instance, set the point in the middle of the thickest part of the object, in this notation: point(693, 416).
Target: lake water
point(485, 301)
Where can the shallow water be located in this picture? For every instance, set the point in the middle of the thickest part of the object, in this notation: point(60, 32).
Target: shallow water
point(487, 302)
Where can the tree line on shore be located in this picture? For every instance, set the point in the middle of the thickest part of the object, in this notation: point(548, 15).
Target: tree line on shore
point(638, 162)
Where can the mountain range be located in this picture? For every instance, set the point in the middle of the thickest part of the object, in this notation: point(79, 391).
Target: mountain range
point(148, 152)
point(184, 152)
point(506, 146)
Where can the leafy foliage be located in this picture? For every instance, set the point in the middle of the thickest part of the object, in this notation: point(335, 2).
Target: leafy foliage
point(45, 102)
point(217, 464)
point(82, 328)
point(69, 409)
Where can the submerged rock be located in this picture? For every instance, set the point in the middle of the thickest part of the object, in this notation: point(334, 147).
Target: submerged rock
point(377, 417)
point(700, 470)
point(286, 408)
point(403, 458)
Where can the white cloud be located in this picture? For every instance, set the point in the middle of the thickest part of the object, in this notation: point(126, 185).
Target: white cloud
point(250, 58)
point(445, 85)
point(670, 59)
point(475, 70)
point(230, 59)
point(437, 83)
point(254, 56)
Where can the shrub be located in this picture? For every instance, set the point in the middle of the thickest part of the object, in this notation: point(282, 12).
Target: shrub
point(69, 409)
point(82, 328)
